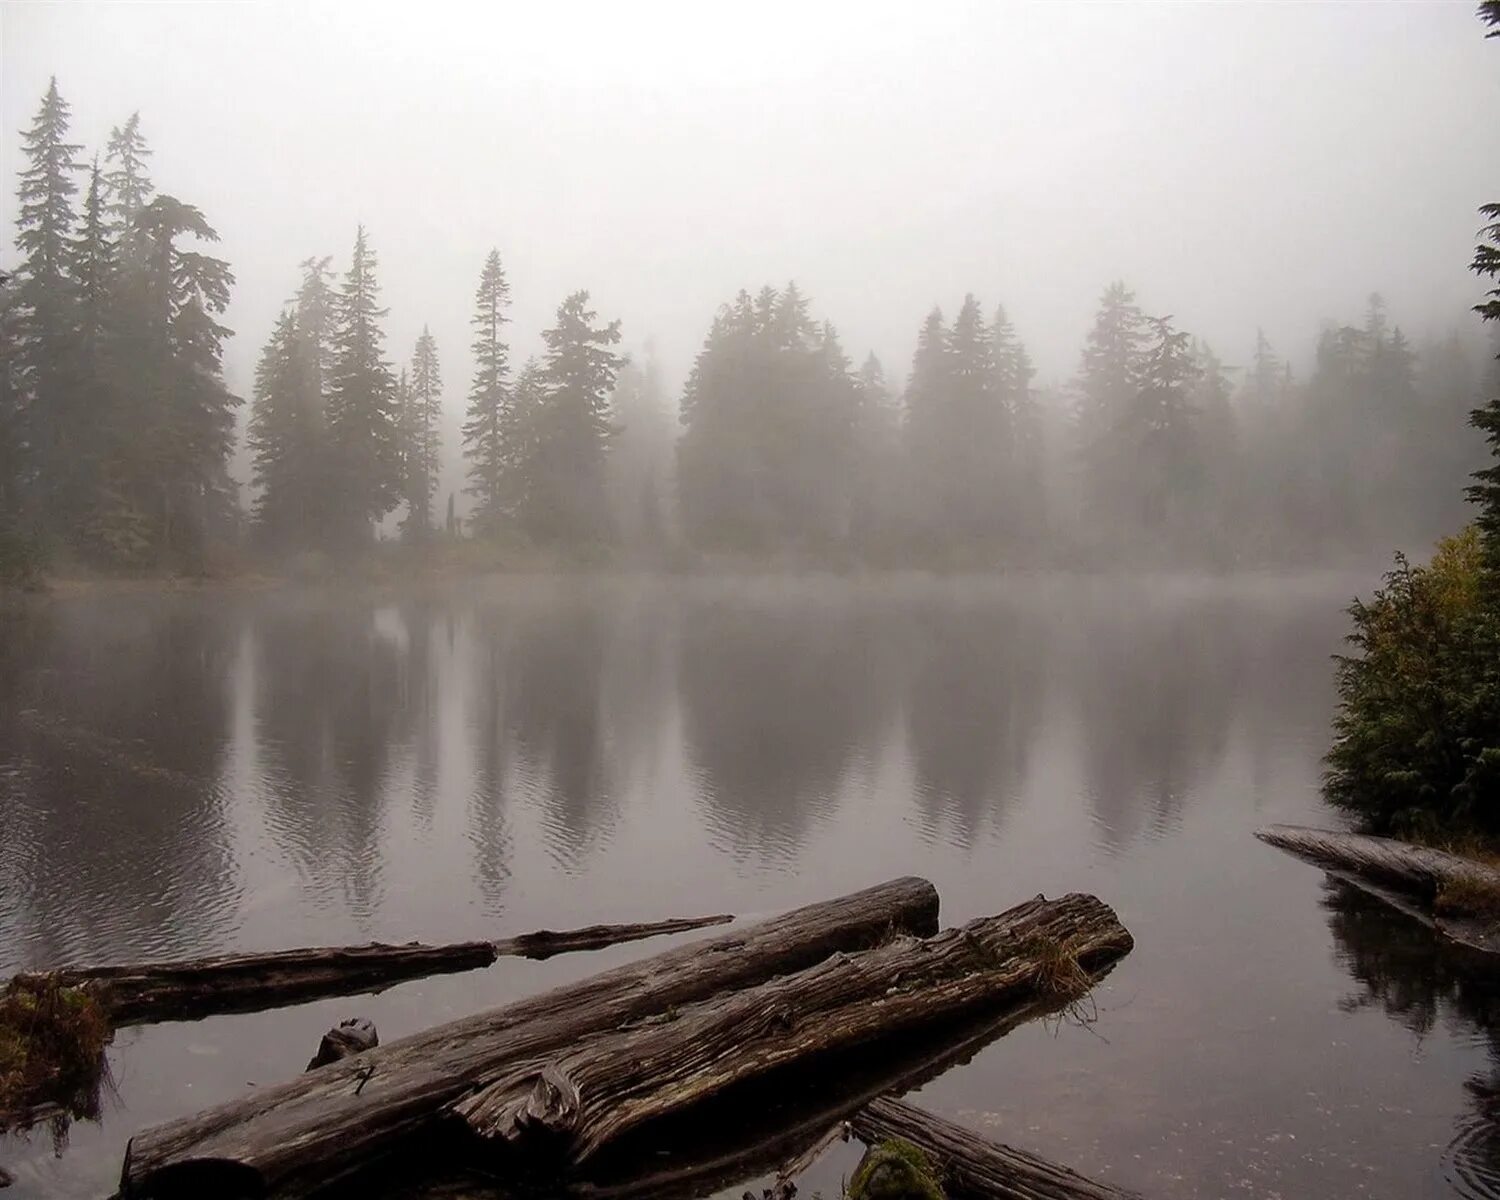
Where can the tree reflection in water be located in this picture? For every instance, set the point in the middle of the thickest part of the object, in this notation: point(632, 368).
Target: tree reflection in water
point(1407, 971)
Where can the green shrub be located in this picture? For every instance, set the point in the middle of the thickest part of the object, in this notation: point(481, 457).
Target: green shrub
point(1417, 745)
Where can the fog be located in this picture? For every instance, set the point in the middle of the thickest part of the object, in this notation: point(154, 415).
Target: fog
point(1261, 165)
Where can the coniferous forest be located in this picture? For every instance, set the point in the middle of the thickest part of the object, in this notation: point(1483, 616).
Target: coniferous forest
point(118, 429)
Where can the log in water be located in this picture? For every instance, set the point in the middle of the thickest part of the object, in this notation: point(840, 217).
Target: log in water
point(565, 1107)
point(297, 1136)
point(1410, 878)
point(190, 989)
point(973, 1167)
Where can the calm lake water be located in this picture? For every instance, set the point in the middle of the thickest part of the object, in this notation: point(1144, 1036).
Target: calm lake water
point(194, 773)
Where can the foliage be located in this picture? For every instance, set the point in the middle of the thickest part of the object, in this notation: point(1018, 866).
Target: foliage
point(52, 1041)
point(1418, 729)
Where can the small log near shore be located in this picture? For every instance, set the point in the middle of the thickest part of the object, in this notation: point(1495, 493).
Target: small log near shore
point(1456, 896)
point(292, 1139)
point(973, 1167)
point(190, 989)
point(565, 1107)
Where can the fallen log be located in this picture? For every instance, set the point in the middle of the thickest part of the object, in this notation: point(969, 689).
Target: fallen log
point(296, 1137)
point(973, 1166)
point(1456, 896)
point(758, 1129)
point(191, 989)
point(565, 1106)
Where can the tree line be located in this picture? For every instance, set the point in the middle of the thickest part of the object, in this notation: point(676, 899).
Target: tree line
point(116, 426)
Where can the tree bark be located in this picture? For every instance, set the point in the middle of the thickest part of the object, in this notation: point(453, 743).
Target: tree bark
point(564, 1107)
point(973, 1167)
point(191, 989)
point(295, 1137)
point(1409, 878)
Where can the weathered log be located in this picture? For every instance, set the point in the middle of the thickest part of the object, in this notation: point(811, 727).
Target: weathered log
point(295, 1137)
point(1431, 885)
point(546, 942)
point(353, 1036)
point(191, 989)
point(758, 1129)
point(566, 1106)
point(973, 1166)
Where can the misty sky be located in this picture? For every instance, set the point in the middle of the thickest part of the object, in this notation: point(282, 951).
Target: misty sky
point(1258, 165)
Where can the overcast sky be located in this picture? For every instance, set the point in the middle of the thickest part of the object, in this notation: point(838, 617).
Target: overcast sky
point(1265, 164)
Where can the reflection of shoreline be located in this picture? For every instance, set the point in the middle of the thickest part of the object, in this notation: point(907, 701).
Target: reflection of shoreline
point(1420, 980)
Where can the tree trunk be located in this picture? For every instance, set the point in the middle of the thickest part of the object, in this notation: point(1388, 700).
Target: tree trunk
point(564, 1107)
point(191, 989)
point(1434, 886)
point(972, 1167)
point(297, 1136)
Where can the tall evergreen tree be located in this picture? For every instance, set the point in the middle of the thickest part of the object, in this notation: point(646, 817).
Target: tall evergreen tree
point(189, 412)
point(565, 497)
point(51, 420)
point(1109, 383)
point(362, 429)
point(1485, 491)
point(423, 413)
point(129, 183)
point(285, 440)
point(489, 433)
point(316, 316)
point(104, 430)
point(1162, 429)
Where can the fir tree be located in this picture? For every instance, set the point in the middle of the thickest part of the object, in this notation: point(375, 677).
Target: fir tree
point(362, 431)
point(190, 415)
point(1485, 491)
point(315, 305)
point(51, 420)
point(564, 469)
point(103, 431)
point(284, 440)
point(129, 183)
point(422, 404)
point(1109, 383)
point(488, 433)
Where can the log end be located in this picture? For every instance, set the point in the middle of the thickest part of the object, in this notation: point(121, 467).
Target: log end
point(192, 1179)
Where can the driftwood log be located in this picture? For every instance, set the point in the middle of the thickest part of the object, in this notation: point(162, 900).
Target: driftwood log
point(566, 1106)
point(294, 1138)
point(191, 989)
point(973, 1167)
point(1413, 879)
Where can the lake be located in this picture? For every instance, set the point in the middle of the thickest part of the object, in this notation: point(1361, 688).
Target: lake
point(204, 771)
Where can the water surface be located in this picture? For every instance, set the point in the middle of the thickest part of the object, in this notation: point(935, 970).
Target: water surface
point(195, 773)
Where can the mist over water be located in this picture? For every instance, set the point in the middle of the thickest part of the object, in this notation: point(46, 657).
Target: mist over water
point(201, 773)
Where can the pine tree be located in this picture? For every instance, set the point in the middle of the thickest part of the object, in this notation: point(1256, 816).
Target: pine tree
point(423, 411)
point(1109, 382)
point(315, 305)
point(564, 471)
point(488, 432)
point(1485, 491)
point(285, 440)
point(183, 448)
point(129, 183)
point(102, 431)
point(51, 420)
point(361, 405)
point(1161, 426)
